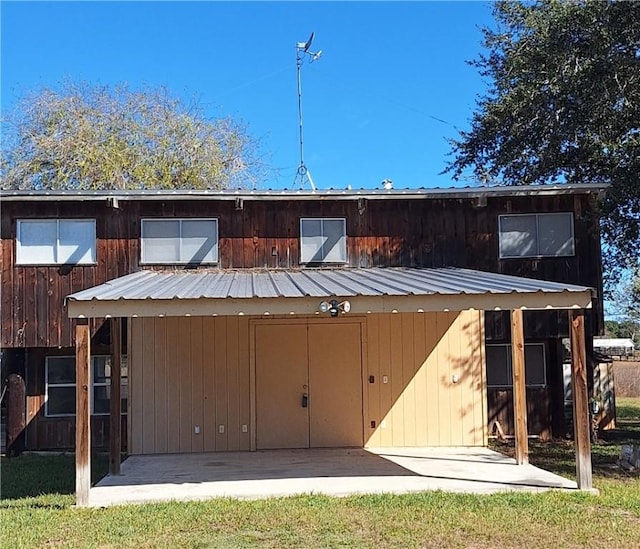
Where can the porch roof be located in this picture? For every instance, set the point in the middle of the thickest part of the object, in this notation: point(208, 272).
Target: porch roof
point(299, 291)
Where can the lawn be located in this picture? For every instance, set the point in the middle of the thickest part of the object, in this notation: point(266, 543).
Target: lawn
point(37, 497)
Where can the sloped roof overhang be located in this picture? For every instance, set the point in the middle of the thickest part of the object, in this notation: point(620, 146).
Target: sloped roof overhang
point(289, 292)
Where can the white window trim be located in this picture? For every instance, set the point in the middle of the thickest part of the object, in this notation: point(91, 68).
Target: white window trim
point(322, 219)
point(510, 370)
point(537, 215)
point(93, 386)
point(180, 220)
point(21, 261)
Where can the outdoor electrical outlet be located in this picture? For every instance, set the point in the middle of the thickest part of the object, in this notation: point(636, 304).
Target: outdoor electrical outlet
point(220, 429)
point(196, 429)
point(385, 379)
point(244, 429)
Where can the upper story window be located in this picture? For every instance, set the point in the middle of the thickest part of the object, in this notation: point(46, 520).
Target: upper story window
point(499, 368)
point(179, 241)
point(323, 240)
point(56, 242)
point(536, 235)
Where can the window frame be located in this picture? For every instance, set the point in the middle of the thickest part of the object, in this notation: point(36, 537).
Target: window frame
point(537, 254)
point(180, 220)
point(509, 367)
point(323, 261)
point(56, 248)
point(123, 394)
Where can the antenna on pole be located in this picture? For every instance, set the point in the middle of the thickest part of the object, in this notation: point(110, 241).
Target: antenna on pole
point(303, 49)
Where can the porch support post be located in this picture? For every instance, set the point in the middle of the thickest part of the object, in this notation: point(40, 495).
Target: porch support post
point(580, 400)
point(519, 387)
point(83, 413)
point(115, 435)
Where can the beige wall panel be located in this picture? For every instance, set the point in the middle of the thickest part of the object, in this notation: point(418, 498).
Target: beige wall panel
point(233, 384)
point(445, 419)
point(372, 391)
point(220, 352)
point(452, 384)
point(386, 395)
point(160, 386)
point(419, 356)
point(135, 365)
point(427, 407)
point(246, 396)
point(396, 381)
point(409, 371)
point(197, 390)
point(184, 353)
point(173, 385)
point(209, 424)
point(335, 385)
point(148, 386)
point(431, 379)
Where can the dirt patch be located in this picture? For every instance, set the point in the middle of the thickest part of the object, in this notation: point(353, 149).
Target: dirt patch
point(626, 374)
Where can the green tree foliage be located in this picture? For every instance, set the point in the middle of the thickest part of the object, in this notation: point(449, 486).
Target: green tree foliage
point(626, 309)
point(101, 137)
point(563, 105)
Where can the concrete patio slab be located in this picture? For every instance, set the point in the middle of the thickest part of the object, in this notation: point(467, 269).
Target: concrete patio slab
point(335, 472)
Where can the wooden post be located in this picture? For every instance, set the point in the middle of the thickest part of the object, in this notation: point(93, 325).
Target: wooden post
point(580, 393)
point(115, 435)
point(519, 388)
point(83, 412)
point(16, 415)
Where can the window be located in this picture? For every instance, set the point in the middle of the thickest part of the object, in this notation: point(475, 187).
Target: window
point(323, 240)
point(499, 370)
point(56, 242)
point(60, 399)
point(536, 235)
point(181, 241)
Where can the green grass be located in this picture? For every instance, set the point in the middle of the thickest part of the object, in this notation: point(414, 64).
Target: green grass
point(35, 511)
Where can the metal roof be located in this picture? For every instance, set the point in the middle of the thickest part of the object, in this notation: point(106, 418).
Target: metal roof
point(265, 287)
point(332, 194)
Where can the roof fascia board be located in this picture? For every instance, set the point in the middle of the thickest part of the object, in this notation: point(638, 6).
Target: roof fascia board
point(396, 194)
point(309, 305)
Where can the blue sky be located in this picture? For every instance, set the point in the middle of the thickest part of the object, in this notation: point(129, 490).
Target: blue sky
point(391, 86)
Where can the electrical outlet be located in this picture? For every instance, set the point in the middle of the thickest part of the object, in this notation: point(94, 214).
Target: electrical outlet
point(196, 429)
point(244, 428)
point(220, 429)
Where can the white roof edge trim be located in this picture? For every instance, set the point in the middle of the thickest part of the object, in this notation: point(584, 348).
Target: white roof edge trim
point(332, 194)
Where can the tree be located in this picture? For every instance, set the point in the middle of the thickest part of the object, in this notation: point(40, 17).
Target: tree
point(563, 105)
point(101, 137)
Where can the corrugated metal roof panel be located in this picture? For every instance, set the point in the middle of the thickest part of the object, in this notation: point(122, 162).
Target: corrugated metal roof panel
point(264, 284)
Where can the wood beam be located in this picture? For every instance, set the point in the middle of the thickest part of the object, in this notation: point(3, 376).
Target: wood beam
point(83, 413)
point(519, 387)
point(115, 422)
point(580, 394)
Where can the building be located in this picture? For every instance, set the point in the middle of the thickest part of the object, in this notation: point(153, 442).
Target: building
point(271, 319)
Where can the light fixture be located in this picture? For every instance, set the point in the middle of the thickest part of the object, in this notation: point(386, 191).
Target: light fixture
point(334, 307)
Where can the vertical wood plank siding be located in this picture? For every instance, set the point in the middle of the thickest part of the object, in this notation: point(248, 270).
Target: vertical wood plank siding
point(421, 233)
point(433, 364)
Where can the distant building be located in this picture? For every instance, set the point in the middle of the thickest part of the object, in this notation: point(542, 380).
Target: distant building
point(614, 347)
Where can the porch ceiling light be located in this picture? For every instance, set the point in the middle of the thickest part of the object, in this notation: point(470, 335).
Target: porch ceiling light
point(334, 307)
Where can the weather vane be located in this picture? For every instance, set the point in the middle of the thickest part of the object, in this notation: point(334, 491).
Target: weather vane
point(303, 50)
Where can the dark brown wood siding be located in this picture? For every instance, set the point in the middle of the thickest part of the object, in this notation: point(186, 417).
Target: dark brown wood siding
point(265, 234)
point(57, 433)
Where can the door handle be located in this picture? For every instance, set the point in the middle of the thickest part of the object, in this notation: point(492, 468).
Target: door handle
point(305, 400)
